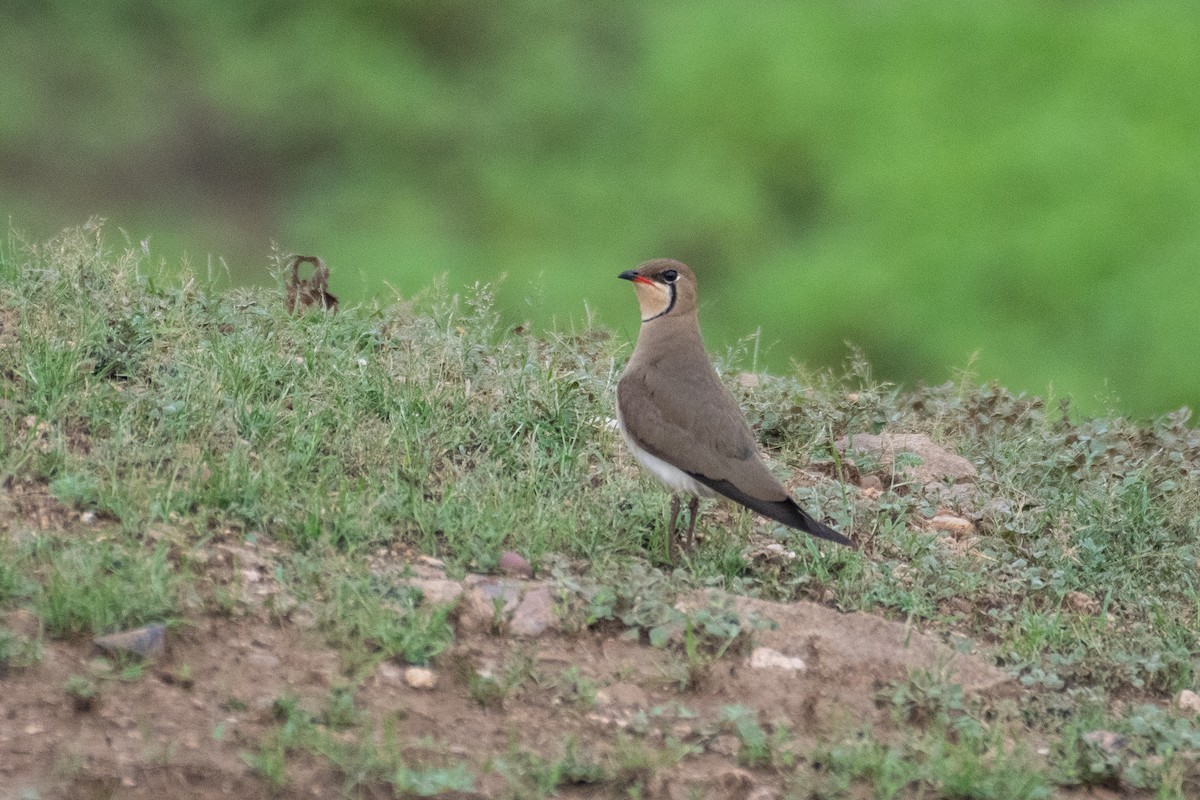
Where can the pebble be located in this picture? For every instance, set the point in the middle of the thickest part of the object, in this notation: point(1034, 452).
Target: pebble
point(514, 564)
point(1188, 701)
point(766, 658)
point(420, 678)
point(955, 526)
point(147, 642)
point(871, 483)
point(437, 591)
point(389, 673)
point(489, 603)
point(534, 615)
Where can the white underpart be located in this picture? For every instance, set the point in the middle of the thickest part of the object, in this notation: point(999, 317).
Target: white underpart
point(676, 479)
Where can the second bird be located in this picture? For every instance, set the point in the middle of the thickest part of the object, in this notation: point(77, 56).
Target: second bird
point(681, 422)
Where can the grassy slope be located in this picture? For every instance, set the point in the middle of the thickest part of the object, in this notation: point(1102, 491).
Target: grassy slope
point(926, 180)
point(426, 425)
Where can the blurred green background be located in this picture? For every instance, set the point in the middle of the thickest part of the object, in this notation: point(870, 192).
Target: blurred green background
point(927, 180)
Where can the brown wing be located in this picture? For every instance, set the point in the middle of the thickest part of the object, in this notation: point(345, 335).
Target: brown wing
point(695, 424)
point(683, 414)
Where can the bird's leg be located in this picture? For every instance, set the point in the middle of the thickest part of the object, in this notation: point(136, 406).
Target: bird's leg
point(693, 509)
point(671, 528)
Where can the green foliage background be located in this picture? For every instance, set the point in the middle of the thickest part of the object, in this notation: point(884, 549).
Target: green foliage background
point(927, 180)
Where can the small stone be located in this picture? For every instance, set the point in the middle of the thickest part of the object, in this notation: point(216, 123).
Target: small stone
point(535, 613)
point(420, 678)
point(766, 658)
point(33, 729)
point(955, 526)
point(514, 564)
point(88, 518)
point(388, 672)
point(489, 604)
point(748, 380)
point(870, 483)
point(934, 464)
point(128, 782)
point(852, 398)
point(437, 591)
point(146, 642)
point(1188, 702)
point(430, 561)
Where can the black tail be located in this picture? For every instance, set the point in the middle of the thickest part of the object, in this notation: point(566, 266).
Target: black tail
point(785, 511)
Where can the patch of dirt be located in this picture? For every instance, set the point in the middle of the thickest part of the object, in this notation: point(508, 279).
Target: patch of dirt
point(36, 506)
point(184, 728)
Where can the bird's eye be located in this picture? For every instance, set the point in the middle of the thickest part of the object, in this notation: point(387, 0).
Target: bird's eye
point(670, 275)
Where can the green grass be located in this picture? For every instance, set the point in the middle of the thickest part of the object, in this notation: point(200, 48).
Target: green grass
point(360, 759)
point(930, 181)
point(427, 426)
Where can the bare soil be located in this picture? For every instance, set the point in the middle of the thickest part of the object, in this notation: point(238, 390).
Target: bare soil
point(183, 727)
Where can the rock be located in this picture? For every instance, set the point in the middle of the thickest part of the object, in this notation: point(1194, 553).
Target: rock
point(535, 613)
point(514, 564)
point(420, 678)
point(145, 642)
point(748, 380)
point(88, 517)
point(489, 604)
point(389, 673)
point(766, 658)
point(871, 483)
point(437, 591)
point(935, 464)
point(1188, 702)
point(958, 527)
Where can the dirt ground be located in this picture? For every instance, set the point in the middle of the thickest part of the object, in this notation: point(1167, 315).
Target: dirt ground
point(182, 728)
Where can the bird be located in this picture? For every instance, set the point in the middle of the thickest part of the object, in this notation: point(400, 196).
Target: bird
point(680, 421)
